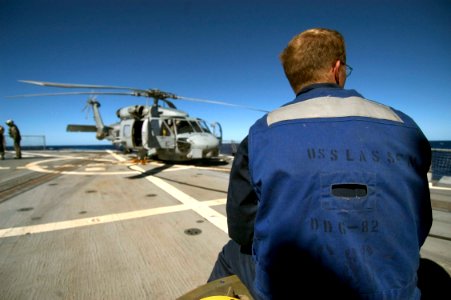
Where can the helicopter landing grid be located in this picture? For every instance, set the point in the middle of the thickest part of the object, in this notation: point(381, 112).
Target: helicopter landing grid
point(98, 167)
point(91, 225)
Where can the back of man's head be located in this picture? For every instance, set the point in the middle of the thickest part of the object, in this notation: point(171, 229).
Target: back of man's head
point(310, 54)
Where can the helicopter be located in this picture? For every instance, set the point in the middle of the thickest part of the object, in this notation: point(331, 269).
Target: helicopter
point(159, 131)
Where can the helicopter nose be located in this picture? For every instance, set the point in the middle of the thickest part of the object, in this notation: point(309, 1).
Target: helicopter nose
point(203, 146)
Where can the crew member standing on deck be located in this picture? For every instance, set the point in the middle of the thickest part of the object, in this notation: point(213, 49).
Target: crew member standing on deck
point(2, 143)
point(14, 133)
point(329, 193)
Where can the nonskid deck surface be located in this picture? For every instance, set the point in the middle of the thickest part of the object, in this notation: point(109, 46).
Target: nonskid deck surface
point(97, 225)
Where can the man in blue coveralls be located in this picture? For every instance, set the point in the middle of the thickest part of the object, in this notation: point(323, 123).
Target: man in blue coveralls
point(328, 194)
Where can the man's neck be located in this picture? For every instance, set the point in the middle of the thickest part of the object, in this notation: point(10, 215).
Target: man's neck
point(317, 85)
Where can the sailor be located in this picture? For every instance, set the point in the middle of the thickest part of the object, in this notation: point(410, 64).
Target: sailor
point(328, 194)
point(14, 133)
point(2, 143)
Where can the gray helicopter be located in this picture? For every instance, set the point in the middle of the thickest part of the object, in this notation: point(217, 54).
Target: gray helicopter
point(158, 131)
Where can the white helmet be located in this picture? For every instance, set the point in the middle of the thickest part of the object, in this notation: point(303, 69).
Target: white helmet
point(9, 122)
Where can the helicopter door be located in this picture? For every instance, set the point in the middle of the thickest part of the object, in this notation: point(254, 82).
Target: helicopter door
point(155, 135)
point(136, 133)
point(166, 136)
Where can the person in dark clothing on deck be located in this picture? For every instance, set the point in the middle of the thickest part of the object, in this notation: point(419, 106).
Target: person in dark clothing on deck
point(328, 194)
point(14, 133)
point(2, 143)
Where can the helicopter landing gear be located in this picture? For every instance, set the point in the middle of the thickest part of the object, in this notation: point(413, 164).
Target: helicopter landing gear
point(142, 153)
point(142, 157)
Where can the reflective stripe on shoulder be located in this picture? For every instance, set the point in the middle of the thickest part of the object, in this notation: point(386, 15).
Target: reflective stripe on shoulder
point(332, 107)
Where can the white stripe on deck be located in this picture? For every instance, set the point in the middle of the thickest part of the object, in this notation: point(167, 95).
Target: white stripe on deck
point(188, 203)
point(24, 230)
point(97, 168)
point(443, 188)
point(199, 207)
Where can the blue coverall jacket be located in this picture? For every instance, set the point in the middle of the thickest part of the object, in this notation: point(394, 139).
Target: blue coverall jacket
point(342, 195)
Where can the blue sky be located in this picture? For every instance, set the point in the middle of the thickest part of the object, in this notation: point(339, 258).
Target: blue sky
point(219, 50)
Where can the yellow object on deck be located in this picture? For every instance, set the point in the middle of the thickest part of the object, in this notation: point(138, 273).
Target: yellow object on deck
point(219, 298)
point(226, 288)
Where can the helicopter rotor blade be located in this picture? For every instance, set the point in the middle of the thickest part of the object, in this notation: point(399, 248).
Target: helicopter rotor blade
point(76, 85)
point(153, 93)
point(221, 103)
point(72, 93)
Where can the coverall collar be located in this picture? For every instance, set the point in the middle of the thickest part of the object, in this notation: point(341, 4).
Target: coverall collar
point(317, 85)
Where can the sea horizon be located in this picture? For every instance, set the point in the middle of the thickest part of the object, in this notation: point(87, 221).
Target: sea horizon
point(226, 146)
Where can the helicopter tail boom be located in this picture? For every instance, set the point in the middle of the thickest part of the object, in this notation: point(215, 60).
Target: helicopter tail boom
point(81, 128)
point(101, 132)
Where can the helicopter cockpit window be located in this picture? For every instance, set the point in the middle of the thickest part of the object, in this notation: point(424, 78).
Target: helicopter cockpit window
point(204, 126)
point(195, 126)
point(183, 126)
point(165, 129)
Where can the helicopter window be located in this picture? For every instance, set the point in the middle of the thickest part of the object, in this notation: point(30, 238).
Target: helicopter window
point(195, 126)
point(183, 126)
point(165, 129)
point(127, 131)
point(204, 126)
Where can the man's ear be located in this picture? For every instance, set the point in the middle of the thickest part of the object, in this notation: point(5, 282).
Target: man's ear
point(336, 70)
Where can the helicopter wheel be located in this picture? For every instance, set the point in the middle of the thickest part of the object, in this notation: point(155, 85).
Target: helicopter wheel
point(141, 157)
point(142, 153)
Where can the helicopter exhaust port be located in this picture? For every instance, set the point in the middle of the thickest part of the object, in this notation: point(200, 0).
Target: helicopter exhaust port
point(135, 112)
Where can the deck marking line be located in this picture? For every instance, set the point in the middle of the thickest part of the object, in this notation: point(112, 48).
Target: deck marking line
point(199, 207)
point(432, 187)
point(94, 169)
point(215, 202)
point(35, 166)
point(188, 203)
point(116, 156)
point(95, 220)
point(122, 159)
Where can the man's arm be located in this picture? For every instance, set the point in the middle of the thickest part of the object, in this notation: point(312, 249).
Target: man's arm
point(241, 200)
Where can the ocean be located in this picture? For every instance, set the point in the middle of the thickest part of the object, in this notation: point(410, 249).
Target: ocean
point(440, 165)
point(226, 148)
point(440, 144)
